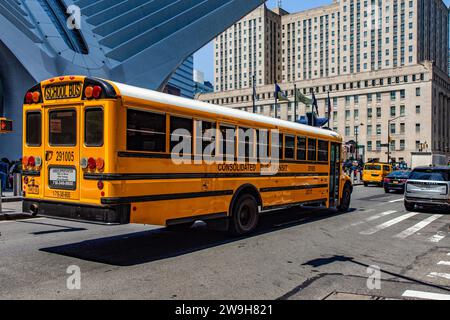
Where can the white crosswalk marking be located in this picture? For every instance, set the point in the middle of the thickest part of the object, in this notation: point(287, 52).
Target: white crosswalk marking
point(396, 200)
point(388, 223)
point(374, 217)
point(437, 237)
point(425, 295)
point(439, 275)
point(444, 263)
point(422, 224)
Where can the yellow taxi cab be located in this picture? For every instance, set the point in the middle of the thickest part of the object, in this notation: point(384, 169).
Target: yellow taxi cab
point(375, 173)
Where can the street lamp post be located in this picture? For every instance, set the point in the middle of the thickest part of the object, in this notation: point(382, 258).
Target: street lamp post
point(356, 136)
point(389, 138)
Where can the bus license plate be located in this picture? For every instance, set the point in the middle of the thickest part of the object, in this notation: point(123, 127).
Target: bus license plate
point(63, 178)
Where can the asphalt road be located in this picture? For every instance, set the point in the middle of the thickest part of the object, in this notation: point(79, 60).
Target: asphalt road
point(300, 253)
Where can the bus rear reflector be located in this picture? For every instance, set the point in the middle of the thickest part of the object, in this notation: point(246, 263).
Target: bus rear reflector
point(100, 185)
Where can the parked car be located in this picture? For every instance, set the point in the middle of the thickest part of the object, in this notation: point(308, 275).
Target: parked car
point(395, 181)
point(428, 187)
point(374, 173)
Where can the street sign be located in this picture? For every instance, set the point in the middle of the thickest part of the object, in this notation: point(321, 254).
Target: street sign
point(385, 144)
point(6, 125)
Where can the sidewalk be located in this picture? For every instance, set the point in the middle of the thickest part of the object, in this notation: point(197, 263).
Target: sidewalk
point(8, 196)
point(12, 207)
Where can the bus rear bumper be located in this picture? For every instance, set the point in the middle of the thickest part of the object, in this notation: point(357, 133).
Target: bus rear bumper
point(119, 214)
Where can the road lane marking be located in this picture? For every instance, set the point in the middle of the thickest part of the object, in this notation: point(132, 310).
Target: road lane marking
point(422, 224)
point(397, 200)
point(374, 217)
point(425, 295)
point(439, 275)
point(388, 223)
point(437, 237)
point(444, 263)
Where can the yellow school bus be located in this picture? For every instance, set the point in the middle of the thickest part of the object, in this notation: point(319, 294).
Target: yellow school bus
point(104, 152)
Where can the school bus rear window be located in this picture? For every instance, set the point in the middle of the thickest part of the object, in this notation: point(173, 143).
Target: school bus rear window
point(34, 129)
point(63, 128)
point(94, 127)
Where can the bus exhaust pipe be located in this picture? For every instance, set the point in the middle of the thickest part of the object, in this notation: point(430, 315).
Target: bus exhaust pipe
point(34, 209)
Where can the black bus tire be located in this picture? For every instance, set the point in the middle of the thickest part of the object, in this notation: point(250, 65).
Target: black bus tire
point(245, 216)
point(344, 205)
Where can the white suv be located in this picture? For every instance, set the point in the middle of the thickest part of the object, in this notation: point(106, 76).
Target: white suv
point(428, 187)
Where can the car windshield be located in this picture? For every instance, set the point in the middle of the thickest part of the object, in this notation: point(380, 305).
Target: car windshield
point(430, 175)
point(399, 174)
point(372, 167)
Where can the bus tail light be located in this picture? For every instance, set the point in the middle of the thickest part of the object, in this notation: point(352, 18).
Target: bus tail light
point(97, 92)
point(24, 162)
point(88, 92)
point(36, 96)
point(100, 163)
point(100, 185)
point(92, 164)
point(29, 98)
point(31, 161)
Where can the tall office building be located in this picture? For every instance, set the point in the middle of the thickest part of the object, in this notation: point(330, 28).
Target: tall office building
point(346, 37)
point(384, 63)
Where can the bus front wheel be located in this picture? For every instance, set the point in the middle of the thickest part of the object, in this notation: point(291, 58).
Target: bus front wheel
point(244, 217)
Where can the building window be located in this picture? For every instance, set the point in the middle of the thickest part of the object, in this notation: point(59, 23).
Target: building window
point(417, 127)
point(417, 109)
point(402, 110)
point(393, 111)
point(378, 129)
point(418, 92)
point(369, 145)
point(378, 112)
point(402, 145)
point(392, 128)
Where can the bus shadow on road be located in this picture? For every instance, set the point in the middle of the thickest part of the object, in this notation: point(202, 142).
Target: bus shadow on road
point(158, 244)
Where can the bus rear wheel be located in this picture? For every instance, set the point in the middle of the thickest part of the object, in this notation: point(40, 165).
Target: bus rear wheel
point(344, 206)
point(244, 217)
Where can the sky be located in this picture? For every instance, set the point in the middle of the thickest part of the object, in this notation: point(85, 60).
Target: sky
point(203, 59)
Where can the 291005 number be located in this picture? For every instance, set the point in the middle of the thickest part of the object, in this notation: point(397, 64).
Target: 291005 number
point(65, 156)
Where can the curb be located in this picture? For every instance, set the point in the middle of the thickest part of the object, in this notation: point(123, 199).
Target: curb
point(11, 199)
point(14, 216)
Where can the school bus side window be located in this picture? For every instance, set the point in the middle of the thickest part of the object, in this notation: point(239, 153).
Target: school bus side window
point(93, 127)
point(323, 151)
point(289, 147)
point(34, 129)
point(312, 154)
point(177, 125)
point(146, 131)
point(301, 148)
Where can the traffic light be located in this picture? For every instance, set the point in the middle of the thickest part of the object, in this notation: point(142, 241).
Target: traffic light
point(5, 125)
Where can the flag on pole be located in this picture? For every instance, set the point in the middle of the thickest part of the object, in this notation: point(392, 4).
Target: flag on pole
point(303, 99)
point(280, 94)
